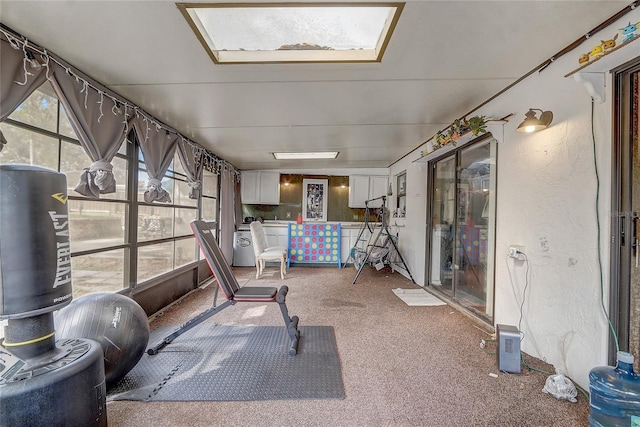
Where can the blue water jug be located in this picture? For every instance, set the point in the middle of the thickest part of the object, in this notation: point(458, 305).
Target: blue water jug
point(615, 394)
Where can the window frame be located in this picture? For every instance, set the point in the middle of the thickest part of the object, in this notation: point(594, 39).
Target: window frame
point(131, 204)
point(175, 176)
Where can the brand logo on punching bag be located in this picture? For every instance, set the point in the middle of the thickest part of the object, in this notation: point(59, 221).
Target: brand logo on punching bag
point(63, 250)
point(60, 197)
point(116, 317)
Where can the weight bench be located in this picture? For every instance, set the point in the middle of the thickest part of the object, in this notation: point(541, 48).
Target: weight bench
point(233, 293)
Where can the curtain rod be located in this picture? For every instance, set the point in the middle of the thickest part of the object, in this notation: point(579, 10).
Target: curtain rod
point(545, 64)
point(14, 37)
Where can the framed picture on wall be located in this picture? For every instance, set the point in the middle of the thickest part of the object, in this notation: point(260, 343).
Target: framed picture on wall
point(314, 199)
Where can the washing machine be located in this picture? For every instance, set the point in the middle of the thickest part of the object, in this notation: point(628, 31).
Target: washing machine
point(243, 255)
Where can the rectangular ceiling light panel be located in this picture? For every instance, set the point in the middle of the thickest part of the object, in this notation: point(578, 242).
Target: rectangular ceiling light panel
point(293, 32)
point(307, 155)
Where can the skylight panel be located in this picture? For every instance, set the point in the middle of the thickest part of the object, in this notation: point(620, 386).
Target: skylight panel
point(293, 32)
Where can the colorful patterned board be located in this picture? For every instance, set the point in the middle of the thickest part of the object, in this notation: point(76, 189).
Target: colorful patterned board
point(474, 244)
point(314, 243)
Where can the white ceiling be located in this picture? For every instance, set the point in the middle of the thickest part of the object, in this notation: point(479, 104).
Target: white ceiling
point(444, 59)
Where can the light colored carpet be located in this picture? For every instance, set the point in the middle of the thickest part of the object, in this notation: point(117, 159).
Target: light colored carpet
point(401, 366)
point(417, 297)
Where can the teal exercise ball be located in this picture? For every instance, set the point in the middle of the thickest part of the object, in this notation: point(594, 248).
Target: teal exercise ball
point(117, 322)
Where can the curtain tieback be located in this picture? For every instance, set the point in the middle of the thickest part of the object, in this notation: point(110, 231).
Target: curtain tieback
point(102, 165)
point(103, 176)
point(155, 192)
point(154, 183)
point(194, 189)
point(97, 179)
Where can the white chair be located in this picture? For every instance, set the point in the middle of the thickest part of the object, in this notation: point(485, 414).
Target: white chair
point(264, 253)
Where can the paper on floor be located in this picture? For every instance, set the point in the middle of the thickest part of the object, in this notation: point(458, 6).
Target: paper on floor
point(417, 297)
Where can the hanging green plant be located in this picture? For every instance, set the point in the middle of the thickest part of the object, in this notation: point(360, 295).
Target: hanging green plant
point(478, 125)
point(459, 127)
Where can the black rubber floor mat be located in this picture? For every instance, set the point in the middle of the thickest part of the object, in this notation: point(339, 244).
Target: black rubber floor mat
point(217, 363)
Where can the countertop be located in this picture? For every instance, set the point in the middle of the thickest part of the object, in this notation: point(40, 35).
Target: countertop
point(272, 223)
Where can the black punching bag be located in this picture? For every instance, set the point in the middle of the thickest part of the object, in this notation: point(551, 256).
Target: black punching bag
point(35, 262)
point(43, 382)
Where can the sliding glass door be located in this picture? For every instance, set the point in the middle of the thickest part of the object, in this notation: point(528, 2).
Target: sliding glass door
point(463, 225)
point(625, 220)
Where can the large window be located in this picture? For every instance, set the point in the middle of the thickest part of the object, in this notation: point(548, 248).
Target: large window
point(209, 196)
point(39, 133)
point(117, 241)
point(463, 225)
point(165, 239)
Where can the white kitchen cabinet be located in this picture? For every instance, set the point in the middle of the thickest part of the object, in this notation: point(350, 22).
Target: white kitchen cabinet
point(367, 187)
point(276, 236)
point(260, 188)
point(249, 188)
point(269, 188)
point(378, 186)
point(358, 190)
point(345, 244)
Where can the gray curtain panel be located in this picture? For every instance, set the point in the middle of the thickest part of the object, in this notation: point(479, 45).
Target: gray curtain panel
point(101, 125)
point(158, 148)
point(18, 79)
point(237, 203)
point(227, 212)
point(191, 160)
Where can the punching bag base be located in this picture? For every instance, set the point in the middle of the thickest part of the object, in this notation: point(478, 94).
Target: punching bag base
point(71, 391)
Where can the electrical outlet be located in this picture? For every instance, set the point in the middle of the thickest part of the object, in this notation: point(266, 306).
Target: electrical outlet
point(516, 252)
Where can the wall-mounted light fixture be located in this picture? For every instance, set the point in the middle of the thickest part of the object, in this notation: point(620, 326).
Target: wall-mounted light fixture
point(533, 124)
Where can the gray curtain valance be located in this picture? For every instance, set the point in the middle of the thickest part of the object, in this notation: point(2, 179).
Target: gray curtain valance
point(158, 148)
point(18, 77)
point(100, 120)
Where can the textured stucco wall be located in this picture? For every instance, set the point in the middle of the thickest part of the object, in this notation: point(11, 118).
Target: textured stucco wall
point(546, 201)
point(412, 229)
